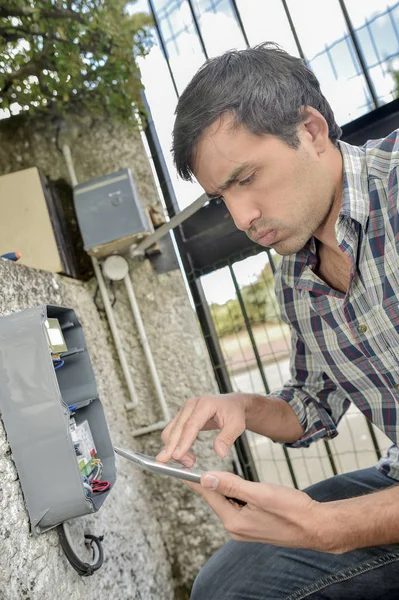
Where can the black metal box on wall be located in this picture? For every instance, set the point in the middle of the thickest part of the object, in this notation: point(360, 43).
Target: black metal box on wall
point(110, 215)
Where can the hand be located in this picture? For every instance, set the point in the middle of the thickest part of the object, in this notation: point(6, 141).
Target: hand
point(226, 412)
point(273, 514)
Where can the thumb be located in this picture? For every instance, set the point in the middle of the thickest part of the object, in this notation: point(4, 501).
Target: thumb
point(230, 485)
point(226, 438)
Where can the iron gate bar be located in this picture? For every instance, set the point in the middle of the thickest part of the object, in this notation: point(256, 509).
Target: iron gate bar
point(373, 439)
point(163, 47)
point(239, 21)
point(197, 29)
point(359, 53)
point(258, 361)
point(325, 442)
point(293, 30)
point(222, 376)
point(243, 450)
point(249, 330)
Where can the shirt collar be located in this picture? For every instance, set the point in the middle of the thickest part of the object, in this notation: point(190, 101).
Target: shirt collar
point(355, 192)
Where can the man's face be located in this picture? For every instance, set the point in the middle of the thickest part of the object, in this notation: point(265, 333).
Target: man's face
point(279, 195)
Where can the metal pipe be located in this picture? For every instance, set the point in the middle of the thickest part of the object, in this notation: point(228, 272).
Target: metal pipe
point(69, 163)
point(104, 294)
point(146, 346)
point(115, 333)
point(154, 427)
point(178, 219)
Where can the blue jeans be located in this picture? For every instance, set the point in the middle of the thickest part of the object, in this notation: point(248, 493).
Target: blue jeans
point(253, 571)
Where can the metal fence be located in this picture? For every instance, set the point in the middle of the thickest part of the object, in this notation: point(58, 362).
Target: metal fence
point(255, 354)
point(252, 354)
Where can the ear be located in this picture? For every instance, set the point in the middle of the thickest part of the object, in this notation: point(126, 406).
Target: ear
point(315, 128)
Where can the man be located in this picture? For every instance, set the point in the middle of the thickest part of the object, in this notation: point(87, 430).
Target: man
point(254, 129)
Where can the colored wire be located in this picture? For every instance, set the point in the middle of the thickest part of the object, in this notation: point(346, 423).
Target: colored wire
point(98, 486)
point(58, 364)
point(97, 472)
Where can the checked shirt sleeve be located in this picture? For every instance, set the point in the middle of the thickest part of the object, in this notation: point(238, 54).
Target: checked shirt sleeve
point(316, 400)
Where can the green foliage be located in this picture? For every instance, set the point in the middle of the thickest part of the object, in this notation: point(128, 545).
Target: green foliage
point(61, 55)
point(259, 300)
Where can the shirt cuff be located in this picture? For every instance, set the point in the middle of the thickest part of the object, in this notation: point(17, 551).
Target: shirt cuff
point(315, 420)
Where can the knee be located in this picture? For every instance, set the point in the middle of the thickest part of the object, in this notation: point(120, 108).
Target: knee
point(202, 587)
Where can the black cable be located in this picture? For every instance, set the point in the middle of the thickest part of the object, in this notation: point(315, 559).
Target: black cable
point(84, 569)
point(99, 308)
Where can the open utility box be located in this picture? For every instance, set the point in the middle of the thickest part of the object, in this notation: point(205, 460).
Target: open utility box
point(37, 402)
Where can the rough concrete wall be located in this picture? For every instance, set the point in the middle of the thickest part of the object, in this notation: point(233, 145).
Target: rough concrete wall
point(157, 532)
point(136, 562)
point(98, 147)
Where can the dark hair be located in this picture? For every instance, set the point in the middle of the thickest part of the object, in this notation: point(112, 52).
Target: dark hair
point(264, 87)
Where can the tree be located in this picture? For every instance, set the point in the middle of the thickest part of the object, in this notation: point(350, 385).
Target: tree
point(260, 303)
point(66, 55)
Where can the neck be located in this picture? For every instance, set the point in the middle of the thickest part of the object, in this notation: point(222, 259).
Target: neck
point(326, 232)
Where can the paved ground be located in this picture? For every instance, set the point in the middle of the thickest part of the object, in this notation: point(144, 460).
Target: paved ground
point(352, 448)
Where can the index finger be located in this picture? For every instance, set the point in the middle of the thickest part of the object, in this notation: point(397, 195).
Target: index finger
point(172, 432)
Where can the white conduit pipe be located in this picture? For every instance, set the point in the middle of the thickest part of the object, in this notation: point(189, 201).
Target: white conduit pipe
point(146, 348)
point(105, 297)
point(115, 333)
point(154, 427)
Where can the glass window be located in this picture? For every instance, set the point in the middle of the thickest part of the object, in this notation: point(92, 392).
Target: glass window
point(366, 43)
point(344, 84)
point(376, 25)
point(267, 22)
point(181, 40)
point(218, 24)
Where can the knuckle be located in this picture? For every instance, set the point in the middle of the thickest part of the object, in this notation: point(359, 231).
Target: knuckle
point(192, 401)
point(231, 489)
point(191, 423)
point(165, 435)
point(230, 526)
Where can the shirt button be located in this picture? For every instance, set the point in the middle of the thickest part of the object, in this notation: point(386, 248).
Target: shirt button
point(397, 387)
point(362, 328)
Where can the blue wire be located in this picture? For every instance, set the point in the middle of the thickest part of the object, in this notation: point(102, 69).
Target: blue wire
point(59, 365)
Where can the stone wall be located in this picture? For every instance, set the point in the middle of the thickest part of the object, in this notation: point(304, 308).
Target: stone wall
point(157, 532)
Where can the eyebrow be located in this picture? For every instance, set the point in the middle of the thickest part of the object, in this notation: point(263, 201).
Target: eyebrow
point(231, 178)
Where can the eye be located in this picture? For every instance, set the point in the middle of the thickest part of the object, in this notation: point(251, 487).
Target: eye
point(248, 180)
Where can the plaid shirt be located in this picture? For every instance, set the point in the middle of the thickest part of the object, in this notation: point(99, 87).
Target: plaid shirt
point(345, 347)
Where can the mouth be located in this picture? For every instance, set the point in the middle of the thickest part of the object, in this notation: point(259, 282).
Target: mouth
point(266, 238)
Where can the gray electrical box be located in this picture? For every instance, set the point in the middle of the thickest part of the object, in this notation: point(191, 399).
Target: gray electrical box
point(37, 403)
point(110, 215)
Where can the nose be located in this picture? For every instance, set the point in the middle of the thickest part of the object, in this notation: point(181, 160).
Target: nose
point(243, 212)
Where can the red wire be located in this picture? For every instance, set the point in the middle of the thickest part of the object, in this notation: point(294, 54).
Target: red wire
point(99, 486)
